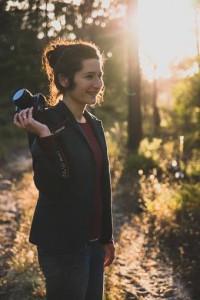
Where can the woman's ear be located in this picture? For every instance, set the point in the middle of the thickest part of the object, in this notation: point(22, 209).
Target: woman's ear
point(63, 80)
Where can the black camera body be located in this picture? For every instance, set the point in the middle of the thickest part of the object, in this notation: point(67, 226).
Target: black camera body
point(23, 99)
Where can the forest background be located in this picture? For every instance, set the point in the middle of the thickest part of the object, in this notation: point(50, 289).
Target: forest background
point(151, 113)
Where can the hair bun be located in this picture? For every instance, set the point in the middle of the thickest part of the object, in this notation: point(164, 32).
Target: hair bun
point(54, 54)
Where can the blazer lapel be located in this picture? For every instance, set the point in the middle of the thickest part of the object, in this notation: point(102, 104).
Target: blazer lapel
point(98, 130)
point(66, 114)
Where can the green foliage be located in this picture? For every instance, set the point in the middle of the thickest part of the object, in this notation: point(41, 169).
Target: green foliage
point(116, 138)
point(136, 162)
point(188, 197)
point(147, 157)
point(159, 197)
point(151, 148)
point(168, 199)
point(192, 166)
point(187, 104)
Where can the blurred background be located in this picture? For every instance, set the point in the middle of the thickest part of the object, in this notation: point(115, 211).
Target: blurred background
point(151, 108)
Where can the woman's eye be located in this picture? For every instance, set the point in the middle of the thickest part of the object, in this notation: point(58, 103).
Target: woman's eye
point(92, 76)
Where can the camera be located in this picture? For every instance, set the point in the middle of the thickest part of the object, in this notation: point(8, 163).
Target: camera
point(23, 99)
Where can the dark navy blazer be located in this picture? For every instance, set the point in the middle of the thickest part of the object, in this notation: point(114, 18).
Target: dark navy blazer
point(65, 175)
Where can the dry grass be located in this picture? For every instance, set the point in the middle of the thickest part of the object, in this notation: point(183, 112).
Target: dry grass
point(23, 279)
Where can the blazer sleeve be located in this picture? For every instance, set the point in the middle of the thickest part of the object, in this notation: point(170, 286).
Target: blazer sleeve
point(49, 164)
point(107, 220)
point(107, 223)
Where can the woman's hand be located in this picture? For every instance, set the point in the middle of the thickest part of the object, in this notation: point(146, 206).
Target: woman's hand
point(24, 120)
point(109, 250)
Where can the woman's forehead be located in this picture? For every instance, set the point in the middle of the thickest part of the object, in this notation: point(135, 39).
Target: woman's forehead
point(91, 65)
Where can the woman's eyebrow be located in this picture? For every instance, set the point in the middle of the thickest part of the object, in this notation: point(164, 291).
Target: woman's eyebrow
point(92, 73)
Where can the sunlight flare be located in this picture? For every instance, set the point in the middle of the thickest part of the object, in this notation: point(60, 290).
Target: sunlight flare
point(166, 35)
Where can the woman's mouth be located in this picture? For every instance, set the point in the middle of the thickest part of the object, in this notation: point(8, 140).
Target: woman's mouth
point(93, 94)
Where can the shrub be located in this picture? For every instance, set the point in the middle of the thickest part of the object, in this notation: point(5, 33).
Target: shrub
point(188, 197)
point(136, 162)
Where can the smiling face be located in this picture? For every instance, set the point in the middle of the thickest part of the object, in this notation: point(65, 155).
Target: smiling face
point(88, 83)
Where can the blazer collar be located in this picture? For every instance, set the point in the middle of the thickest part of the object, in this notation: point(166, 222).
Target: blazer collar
point(64, 111)
point(67, 115)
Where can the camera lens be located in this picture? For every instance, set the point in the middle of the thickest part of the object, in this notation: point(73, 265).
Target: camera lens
point(18, 94)
point(23, 99)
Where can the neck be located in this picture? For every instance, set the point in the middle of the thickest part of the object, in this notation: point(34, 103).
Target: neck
point(76, 109)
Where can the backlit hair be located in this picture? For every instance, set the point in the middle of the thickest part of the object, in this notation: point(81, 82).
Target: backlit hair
point(66, 57)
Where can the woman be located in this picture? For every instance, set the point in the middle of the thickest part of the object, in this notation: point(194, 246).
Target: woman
point(72, 223)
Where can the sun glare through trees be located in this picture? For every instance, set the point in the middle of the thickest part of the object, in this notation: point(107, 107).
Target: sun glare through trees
point(166, 32)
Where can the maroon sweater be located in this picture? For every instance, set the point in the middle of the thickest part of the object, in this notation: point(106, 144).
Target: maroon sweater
point(98, 156)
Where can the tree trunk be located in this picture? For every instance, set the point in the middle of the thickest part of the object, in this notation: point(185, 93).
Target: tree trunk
point(156, 114)
point(134, 102)
point(197, 35)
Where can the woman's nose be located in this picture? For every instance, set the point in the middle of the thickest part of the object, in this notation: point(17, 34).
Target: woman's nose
point(98, 83)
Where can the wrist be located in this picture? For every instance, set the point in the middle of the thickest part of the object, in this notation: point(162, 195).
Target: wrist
point(44, 133)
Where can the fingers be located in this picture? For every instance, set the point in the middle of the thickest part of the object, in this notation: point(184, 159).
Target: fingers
point(108, 260)
point(23, 118)
point(16, 121)
point(30, 114)
point(109, 254)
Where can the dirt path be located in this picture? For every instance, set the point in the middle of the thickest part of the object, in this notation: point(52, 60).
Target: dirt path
point(140, 271)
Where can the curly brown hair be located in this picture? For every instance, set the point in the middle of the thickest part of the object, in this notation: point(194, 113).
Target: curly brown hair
point(65, 57)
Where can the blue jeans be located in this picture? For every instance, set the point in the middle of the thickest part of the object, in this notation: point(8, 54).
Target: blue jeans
point(74, 276)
